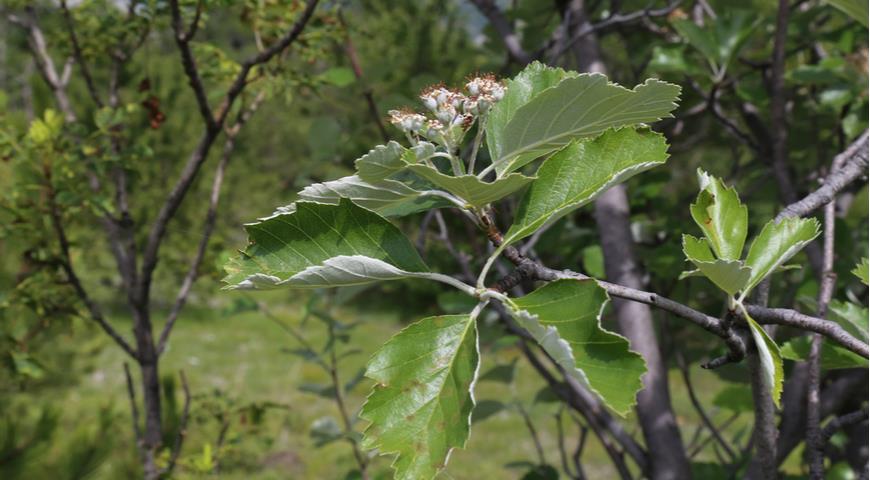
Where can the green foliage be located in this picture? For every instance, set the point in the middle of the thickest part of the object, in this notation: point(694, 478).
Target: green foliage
point(421, 404)
point(577, 174)
point(718, 212)
point(581, 106)
point(564, 317)
point(323, 245)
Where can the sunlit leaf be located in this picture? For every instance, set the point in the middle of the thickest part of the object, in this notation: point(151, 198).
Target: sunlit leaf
point(386, 197)
point(470, 188)
point(534, 79)
point(770, 359)
point(577, 107)
point(288, 244)
point(580, 172)
point(564, 317)
point(420, 407)
point(721, 216)
point(777, 243)
point(860, 270)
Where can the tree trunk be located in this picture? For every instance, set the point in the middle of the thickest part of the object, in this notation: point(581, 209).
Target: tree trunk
point(152, 435)
point(667, 455)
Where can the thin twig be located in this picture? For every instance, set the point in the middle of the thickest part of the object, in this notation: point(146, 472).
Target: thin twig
point(77, 53)
point(705, 419)
point(134, 408)
point(368, 94)
point(66, 264)
point(182, 428)
point(210, 219)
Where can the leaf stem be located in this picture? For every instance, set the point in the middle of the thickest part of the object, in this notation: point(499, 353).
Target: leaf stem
point(489, 262)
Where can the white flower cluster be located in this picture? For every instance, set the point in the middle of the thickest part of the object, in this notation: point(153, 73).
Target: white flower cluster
point(453, 111)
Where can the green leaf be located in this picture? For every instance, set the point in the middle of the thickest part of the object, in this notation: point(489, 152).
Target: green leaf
point(386, 197)
point(777, 243)
point(833, 357)
point(721, 216)
point(856, 9)
point(860, 270)
point(485, 409)
point(534, 79)
point(853, 318)
point(581, 106)
point(470, 188)
point(770, 357)
point(289, 249)
point(696, 249)
point(729, 275)
point(338, 76)
point(577, 174)
point(421, 405)
point(564, 317)
point(381, 162)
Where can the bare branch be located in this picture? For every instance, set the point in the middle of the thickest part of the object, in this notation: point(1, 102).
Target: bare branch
point(200, 154)
point(792, 318)
point(208, 225)
point(763, 465)
point(854, 166)
point(39, 50)
point(504, 29)
point(182, 39)
point(66, 263)
point(614, 20)
point(77, 52)
point(826, 291)
point(134, 408)
point(840, 422)
point(705, 419)
point(182, 428)
point(350, 51)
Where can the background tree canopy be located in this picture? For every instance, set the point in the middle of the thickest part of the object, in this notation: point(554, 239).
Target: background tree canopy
point(636, 248)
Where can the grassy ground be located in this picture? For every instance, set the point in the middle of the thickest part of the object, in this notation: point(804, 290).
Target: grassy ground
point(242, 356)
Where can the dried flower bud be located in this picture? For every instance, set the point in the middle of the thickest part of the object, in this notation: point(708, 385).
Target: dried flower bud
point(406, 120)
point(486, 85)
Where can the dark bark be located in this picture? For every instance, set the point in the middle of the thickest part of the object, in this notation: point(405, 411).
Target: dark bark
point(763, 465)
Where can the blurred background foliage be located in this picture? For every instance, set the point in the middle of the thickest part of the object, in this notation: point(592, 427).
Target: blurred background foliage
point(260, 367)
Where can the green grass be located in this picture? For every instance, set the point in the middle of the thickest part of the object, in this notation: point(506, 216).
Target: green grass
point(242, 356)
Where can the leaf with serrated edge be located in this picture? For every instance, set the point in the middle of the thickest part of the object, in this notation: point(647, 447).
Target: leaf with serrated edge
point(582, 106)
point(386, 197)
point(853, 318)
point(420, 407)
point(534, 79)
point(286, 244)
point(860, 270)
point(777, 243)
point(697, 249)
point(564, 317)
point(470, 188)
point(721, 216)
point(832, 357)
point(730, 276)
point(577, 174)
point(771, 359)
point(381, 162)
